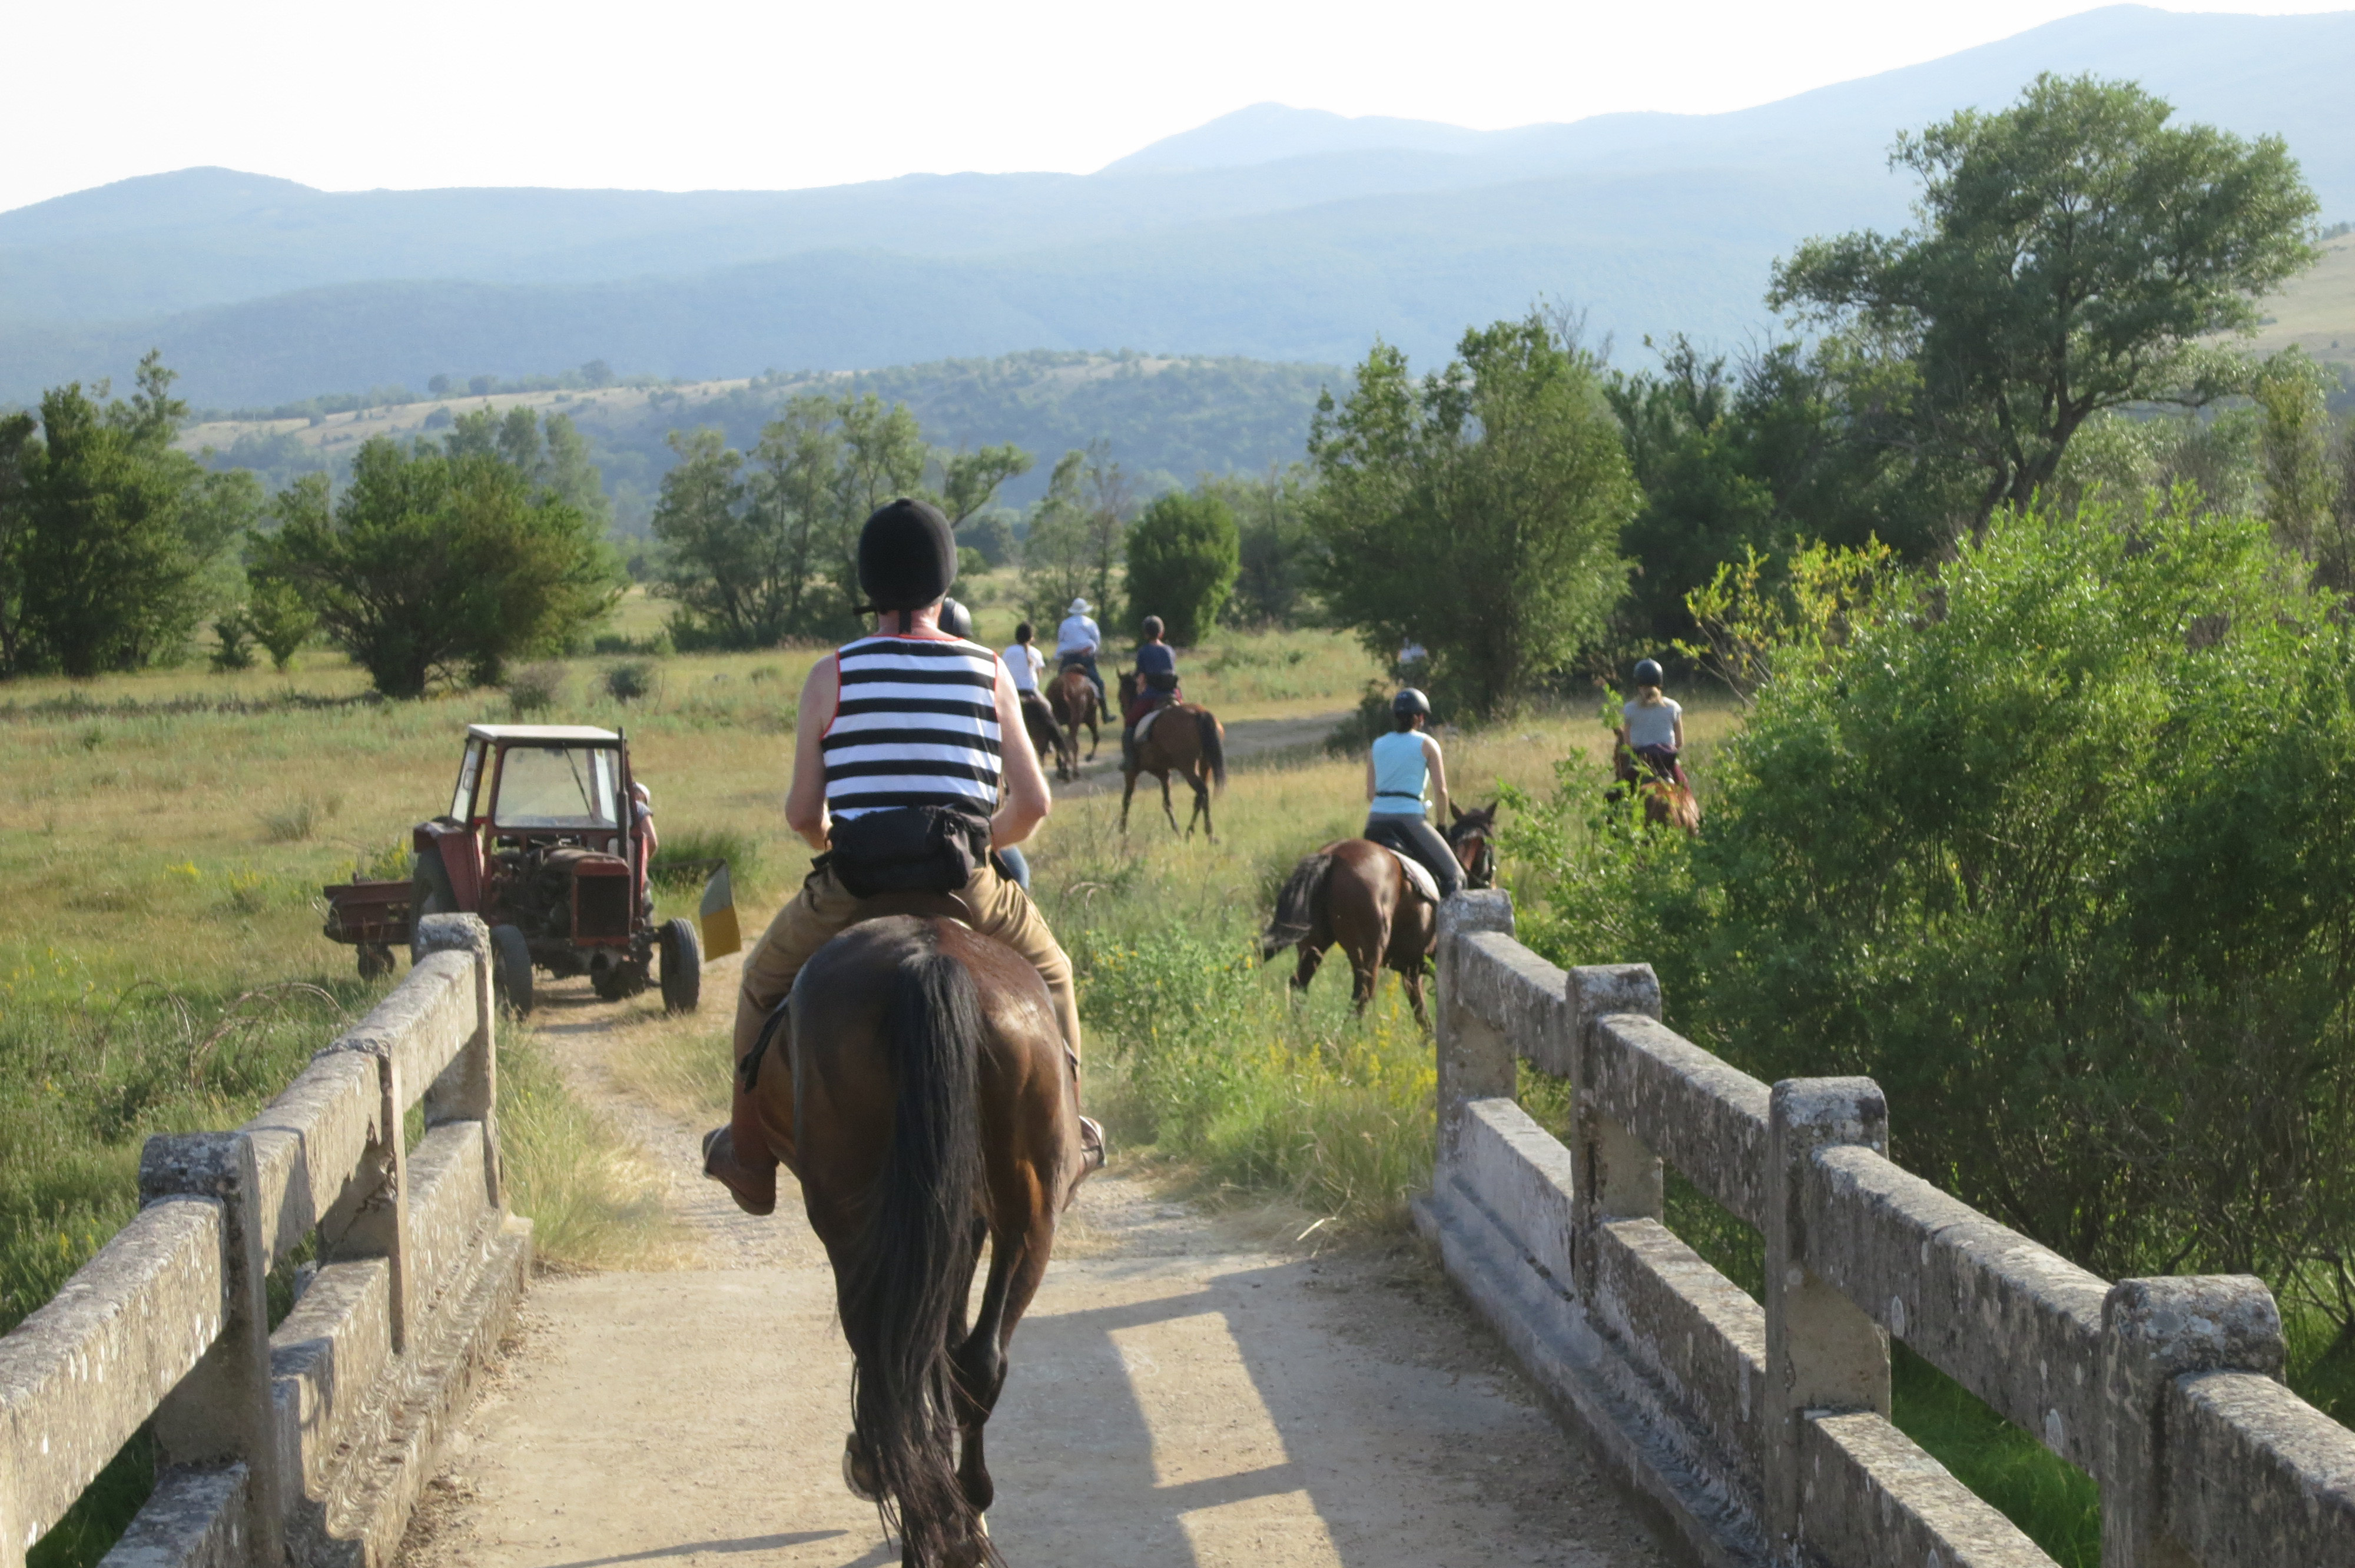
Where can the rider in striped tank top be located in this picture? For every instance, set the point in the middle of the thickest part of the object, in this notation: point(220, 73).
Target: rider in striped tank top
point(902, 778)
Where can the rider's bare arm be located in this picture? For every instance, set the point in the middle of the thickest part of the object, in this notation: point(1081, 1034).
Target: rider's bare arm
point(1680, 732)
point(1438, 775)
point(805, 800)
point(1027, 802)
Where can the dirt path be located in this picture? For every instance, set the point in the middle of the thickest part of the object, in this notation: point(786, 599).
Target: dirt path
point(1188, 1389)
point(1247, 740)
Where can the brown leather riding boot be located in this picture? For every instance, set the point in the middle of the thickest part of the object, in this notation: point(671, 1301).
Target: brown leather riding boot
point(737, 1156)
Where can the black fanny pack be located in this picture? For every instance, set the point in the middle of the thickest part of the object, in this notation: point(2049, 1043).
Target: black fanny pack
point(1161, 680)
point(909, 849)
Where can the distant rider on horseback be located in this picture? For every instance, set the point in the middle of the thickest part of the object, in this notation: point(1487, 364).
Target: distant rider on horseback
point(1396, 767)
point(1655, 725)
point(898, 760)
point(1156, 686)
point(1076, 642)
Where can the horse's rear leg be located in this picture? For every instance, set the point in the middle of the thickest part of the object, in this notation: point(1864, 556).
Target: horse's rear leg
point(1168, 809)
point(1201, 806)
point(1310, 956)
point(1366, 967)
point(1412, 976)
point(1127, 793)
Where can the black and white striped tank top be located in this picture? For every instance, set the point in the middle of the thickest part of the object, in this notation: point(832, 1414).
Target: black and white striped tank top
point(916, 725)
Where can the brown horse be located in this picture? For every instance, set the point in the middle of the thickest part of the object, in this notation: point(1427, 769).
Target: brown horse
point(1187, 740)
point(1046, 735)
point(1072, 698)
point(1354, 892)
point(1666, 803)
point(934, 1109)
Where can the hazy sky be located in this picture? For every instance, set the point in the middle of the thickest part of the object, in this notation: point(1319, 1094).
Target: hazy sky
point(735, 93)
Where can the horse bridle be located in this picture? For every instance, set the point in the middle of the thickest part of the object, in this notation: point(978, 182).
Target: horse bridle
point(1481, 870)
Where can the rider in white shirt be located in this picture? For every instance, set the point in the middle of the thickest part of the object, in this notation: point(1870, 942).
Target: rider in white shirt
point(1076, 642)
point(1023, 660)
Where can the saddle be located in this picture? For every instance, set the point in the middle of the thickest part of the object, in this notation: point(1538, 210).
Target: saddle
point(1145, 725)
point(945, 905)
point(1418, 876)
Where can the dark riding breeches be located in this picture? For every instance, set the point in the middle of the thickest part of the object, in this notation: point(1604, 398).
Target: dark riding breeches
point(1418, 839)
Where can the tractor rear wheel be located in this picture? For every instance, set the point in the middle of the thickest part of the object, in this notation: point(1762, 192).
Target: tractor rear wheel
point(682, 967)
point(511, 969)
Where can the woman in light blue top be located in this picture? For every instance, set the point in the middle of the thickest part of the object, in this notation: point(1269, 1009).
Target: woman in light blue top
point(1398, 765)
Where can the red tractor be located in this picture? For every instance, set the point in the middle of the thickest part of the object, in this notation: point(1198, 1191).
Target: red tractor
point(538, 842)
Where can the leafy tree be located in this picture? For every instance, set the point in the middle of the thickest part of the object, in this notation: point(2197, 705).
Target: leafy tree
point(992, 538)
point(120, 539)
point(438, 568)
point(1479, 511)
point(1183, 553)
point(1277, 548)
point(21, 457)
point(2072, 250)
point(279, 620)
point(1057, 563)
point(753, 556)
point(2027, 839)
point(968, 480)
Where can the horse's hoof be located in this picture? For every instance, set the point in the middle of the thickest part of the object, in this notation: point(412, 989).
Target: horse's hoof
point(850, 1470)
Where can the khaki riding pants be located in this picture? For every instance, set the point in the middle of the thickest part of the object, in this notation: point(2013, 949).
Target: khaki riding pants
point(763, 1120)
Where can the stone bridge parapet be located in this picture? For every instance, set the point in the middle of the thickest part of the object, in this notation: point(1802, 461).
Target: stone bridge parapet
point(1758, 1433)
point(309, 1442)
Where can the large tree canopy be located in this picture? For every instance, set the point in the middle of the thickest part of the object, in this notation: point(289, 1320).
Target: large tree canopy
point(2072, 250)
point(1477, 512)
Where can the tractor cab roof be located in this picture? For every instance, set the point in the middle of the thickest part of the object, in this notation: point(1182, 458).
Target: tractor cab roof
point(544, 734)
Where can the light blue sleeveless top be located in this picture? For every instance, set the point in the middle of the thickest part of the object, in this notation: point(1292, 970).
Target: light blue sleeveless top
point(1400, 774)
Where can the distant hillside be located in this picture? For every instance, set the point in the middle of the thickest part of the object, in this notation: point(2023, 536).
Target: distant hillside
point(2317, 310)
point(1272, 233)
point(1167, 419)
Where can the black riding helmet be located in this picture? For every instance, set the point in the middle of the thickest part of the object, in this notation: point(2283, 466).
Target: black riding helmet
point(1410, 700)
point(1648, 672)
point(907, 555)
point(955, 620)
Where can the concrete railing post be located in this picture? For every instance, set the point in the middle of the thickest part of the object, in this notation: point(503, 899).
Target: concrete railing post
point(1475, 1061)
point(1619, 1177)
point(2153, 1332)
point(222, 1413)
point(469, 1089)
point(371, 1219)
point(1824, 1354)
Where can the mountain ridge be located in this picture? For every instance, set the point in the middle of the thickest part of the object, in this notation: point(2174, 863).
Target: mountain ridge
point(1195, 244)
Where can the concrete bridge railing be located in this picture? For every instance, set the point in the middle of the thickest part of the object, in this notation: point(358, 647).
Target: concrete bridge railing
point(307, 1443)
point(1760, 1434)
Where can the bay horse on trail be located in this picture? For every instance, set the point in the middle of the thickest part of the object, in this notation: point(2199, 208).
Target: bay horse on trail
point(1072, 697)
point(933, 1108)
point(1667, 802)
point(1186, 739)
point(1354, 892)
point(1046, 735)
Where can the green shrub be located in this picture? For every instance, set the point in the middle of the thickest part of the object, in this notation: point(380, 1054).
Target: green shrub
point(1183, 555)
point(534, 688)
point(630, 681)
point(2058, 845)
point(687, 857)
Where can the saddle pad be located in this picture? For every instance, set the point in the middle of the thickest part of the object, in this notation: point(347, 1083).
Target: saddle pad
point(1419, 876)
point(1145, 725)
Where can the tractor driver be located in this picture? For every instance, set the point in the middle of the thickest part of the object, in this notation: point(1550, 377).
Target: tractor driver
point(897, 732)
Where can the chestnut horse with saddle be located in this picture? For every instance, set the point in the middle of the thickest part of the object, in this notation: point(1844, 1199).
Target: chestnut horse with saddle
point(1183, 738)
point(1361, 894)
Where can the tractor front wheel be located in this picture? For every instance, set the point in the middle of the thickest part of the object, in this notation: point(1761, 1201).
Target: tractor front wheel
point(682, 967)
point(511, 969)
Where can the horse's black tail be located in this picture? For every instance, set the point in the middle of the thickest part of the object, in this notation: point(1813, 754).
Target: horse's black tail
point(915, 1261)
point(1296, 906)
point(1214, 750)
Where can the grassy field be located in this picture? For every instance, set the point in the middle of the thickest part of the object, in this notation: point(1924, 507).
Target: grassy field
point(165, 836)
point(2317, 308)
